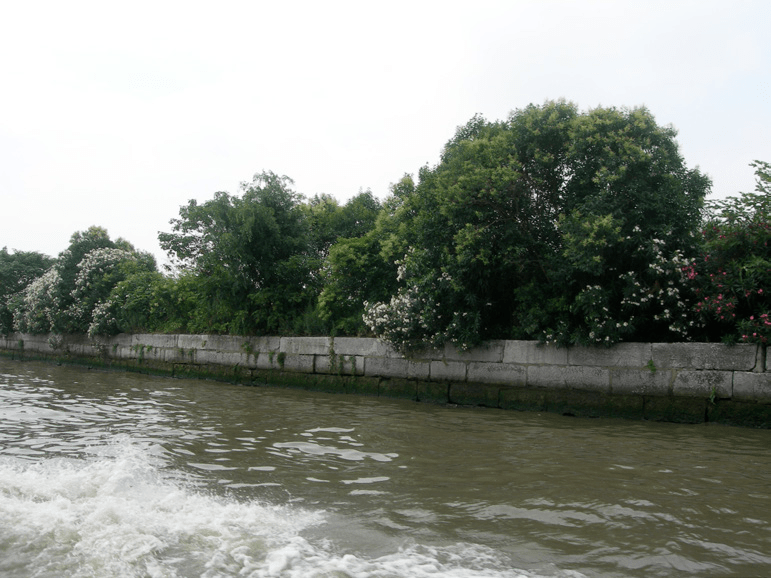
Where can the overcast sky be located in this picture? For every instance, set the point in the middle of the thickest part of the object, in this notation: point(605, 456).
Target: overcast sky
point(117, 113)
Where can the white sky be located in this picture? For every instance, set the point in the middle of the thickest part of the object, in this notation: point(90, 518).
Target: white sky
point(117, 113)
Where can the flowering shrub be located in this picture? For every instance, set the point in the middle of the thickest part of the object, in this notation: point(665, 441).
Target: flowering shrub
point(554, 224)
point(144, 301)
point(49, 304)
point(36, 309)
point(604, 287)
point(647, 301)
point(732, 281)
point(98, 272)
point(732, 277)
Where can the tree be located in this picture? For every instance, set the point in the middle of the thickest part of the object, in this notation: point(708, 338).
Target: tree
point(491, 252)
point(17, 271)
point(242, 247)
point(361, 265)
point(64, 299)
point(328, 221)
point(732, 276)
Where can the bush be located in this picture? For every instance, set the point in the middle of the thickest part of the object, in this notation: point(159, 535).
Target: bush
point(732, 276)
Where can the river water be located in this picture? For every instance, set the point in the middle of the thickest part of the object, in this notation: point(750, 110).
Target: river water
point(117, 474)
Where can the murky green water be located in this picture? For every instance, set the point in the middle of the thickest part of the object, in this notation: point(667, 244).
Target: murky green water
point(113, 474)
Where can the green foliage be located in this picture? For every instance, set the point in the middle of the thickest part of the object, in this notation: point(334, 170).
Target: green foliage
point(565, 226)
point(538, 226)
point(258, 260)
point(239, 248)
point(732, 277)
point(81, 243)
point(358, 270)
point(144, 301)
point(17, 271)
point(328, 221)
point(66, 298)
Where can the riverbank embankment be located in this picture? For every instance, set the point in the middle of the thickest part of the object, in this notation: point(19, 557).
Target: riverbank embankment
point(680, 382)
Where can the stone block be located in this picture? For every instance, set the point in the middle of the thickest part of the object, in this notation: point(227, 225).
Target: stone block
point(154, 353)
point(433, 392)
point(427, 354)
point(385, 367)
point(741, 413)
point(210, 357)
point(483, 394)
point(522, 399)
point(365, 346)
point(341, 365)
point(121, 340)
point(534, 353)
point(752, 387)
point(26, 340)
point(593, 404)
point(330, 384)
point(294, 379)
point(175, 355)
point(192, 341)
point(640, 381)
point(569, 377)
point(675, 409)
point(448, 371)
point(401, 388)
point(703, 384)
point(418, 369)
point(295, 362)
point(266, 360)
point(352, 364)
point(226, 343)
point(490, 351)
point(620, 355)
point(500, 373)
point(305, 345)
point(740, 357)
point(155, 340)
point(263, 343)
point(362, 385)
point(323, 366)
point(120, 352)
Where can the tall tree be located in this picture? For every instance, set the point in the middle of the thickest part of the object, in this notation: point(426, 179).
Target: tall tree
point(247, 252)
point(487, 226)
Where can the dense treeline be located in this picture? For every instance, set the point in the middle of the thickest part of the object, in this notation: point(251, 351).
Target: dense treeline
point(555, 224)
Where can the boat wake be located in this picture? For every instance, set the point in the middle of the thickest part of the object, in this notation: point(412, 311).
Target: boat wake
point(124, 513)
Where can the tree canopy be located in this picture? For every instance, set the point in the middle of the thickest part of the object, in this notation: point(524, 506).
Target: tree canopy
point(566, 226)
point(511, 205)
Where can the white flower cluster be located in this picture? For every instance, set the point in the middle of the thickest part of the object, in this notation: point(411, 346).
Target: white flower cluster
point(95, 265)
point(662, 294)
point(103, 321)
point(413, 317)
point(41, 308)
point(89, 292)
point(655, 292)
point(39, 304)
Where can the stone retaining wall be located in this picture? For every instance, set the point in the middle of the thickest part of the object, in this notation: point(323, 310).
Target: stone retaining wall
point(686, 382)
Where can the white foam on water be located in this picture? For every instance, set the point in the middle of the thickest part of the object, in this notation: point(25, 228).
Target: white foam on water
point(123, 514)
